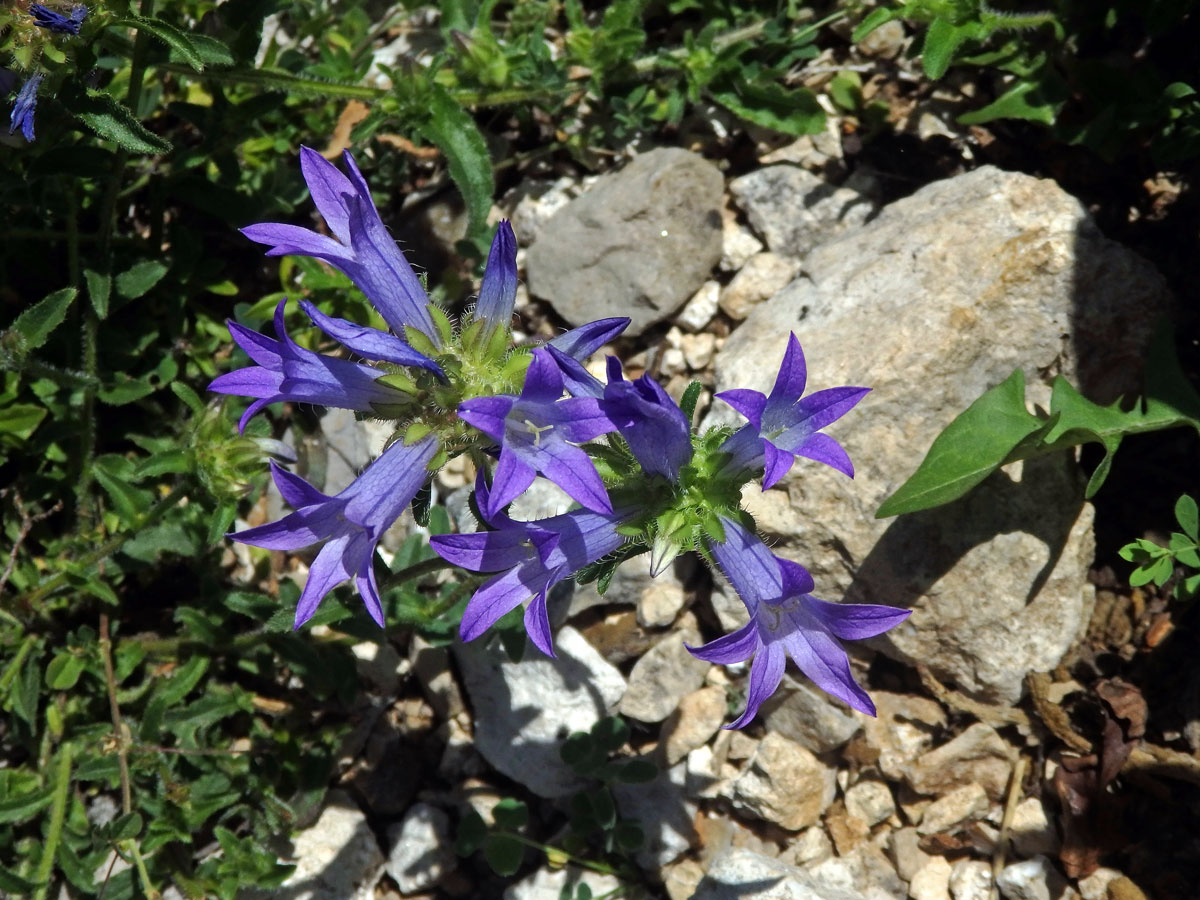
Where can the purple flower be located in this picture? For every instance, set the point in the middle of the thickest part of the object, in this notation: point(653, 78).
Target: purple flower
point(538, 432)
point(784, 425)
point(287, 371)
point(653, 425)
point(23, 107)
point(351, 523)
point(530, 557)
point(580, 343)
point(45, 17)
point(786, 620)
point(498, 293)
point(361, 246)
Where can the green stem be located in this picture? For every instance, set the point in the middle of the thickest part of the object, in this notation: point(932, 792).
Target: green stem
point(131, 848)
point(58, 815)
point(15, 666)
point(112, 545)
point(556, 853)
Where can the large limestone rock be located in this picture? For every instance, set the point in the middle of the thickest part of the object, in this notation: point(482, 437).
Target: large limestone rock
point(932, 303)
point(640, 243)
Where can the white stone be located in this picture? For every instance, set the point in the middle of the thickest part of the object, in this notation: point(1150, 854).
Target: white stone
point(1095, 886)
point(698, 350)
point(808, 716)
point(932, 882)
point(694, 721)
point(548, 884)
point(1033, 879)
point(812, 846)
point(699, 311)
point(337, 858)
point(661, 678)
point(966, 804)
point(971, 879)
point(759, 279)
point(870, 801)
point(660, 602)
point(739, 874)
point(665, 815)
point(524, 710)
point(865, 871)
point(422, 849)
point(738, 244)
point(785, 784)
point(978, 755)
point(1031, 830)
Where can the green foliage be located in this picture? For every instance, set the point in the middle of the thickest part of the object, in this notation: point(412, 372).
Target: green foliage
point(998, 428)
point(1156, 563)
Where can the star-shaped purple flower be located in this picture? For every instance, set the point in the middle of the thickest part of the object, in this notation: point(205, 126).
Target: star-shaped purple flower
point(44, 17)
point(530, 557)
point(351, 523)
point(785, 425)
point(24, 106)
point(361, 246)
point(287, 371)
point(786, 620)
point(538, 432)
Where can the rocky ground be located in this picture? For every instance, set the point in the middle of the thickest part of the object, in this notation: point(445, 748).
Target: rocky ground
point(1037, 733)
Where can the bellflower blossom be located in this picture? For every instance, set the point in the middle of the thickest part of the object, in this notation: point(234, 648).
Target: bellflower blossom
point(538, 431)
point(287, 371)
point(24, 106)
point(787, 620)
point(530, 557)
point(44, 17)
point(361, 246)
point(785, 424)
point(351, 523)
point(498, 293)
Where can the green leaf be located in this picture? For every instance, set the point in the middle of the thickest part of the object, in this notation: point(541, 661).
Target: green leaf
point(973, 446)
point(503, 854)
point(687, 402)
point(124, 828)
point(113, 122)
point(23, 807)
point(15, 885)
point(139, 278)
point(879, 16)
point(635, 771)
point(629, 835)
point(99, 285)
point(454, 132)
point(210, 50)
point(189, 397)
point(129, 502)
point(610, 734)
point(1033, 101)
point(1188, 517)
point(511, 814)
point(177, 40)
point(941, 40)
point(36, 323)
point(21, 420)
point(64, 671)
point(472, 832)
point(792, 111)
point(222, 518)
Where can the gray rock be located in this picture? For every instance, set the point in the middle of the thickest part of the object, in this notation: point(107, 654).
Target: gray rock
point(422, 849)
point(700, 309)
point(808, 716)
point(694, 721)
point(932, 881)
point(1033, 879)
point(785, 784)
point(663, 677)
point(904, 849)
point(638, 244)
point(979, 755)
point(763, 275)
point(951, 289)
point(870, 801)
point(962, 805)
point(548, 884)
point(524, 710)
point(1031, 831)
point(971, 879)
point(902, 729)
point(665, 813)
point(865, 871)
point(794, 210)
point(739, 874)
point(337, 858)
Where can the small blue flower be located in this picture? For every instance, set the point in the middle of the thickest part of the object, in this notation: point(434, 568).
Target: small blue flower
point(657, 431)
point(351, 523)
point(786, 620)
point(538, 432)
point(44, 17)
point(498, 293)
point(530, 557)
point(23, 107)
point(785, 424)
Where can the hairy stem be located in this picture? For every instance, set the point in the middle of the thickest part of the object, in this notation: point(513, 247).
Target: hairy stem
point(58, 816)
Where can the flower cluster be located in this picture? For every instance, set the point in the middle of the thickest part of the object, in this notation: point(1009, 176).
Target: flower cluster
point(644, 479)
point(53, 22)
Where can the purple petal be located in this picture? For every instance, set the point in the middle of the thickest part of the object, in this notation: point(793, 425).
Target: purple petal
point(579, 419)
point(294, 489)
point(368, 589)
point(370, 342)
point(493, 599)
point(572, 470)
point(735, 647)
point(765, 674)
point(327, 571)
point(543, 381)
point(260, 348)
point(824, 449)
point(328, 188)
point(796, 579)
point(498, 293)
point(299, 529)
point(749, 403)
point(254, 409)
point(494, 551)
point(286, 240)
point(776, 464)
point(512, 478)
point(855, 621)
point(580, 343)
point(811, 414)
point(821, 658)
point(488, 414)
point(577, 380)
point(748, 564)
point(537, 620)
point(386, 487)
point(793, 374)
point(251, 381)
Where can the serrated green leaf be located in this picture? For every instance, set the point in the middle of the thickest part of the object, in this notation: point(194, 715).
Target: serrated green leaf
point(687, 403)
point(36, 323)
point(179, 41)
point(1188, 516)
point(23, 807)
point(793, 111)
point(113, 122)
point(21, 420)
point(219, 524)
point(99, 285)
point(25, 690)
point(511, 814)
point(942, 38)
point(1033, 101)
point(189, 397)
point(451, 128)
point(129, 502)
point(973, 446)
point(503, 854)
point(139, 278)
